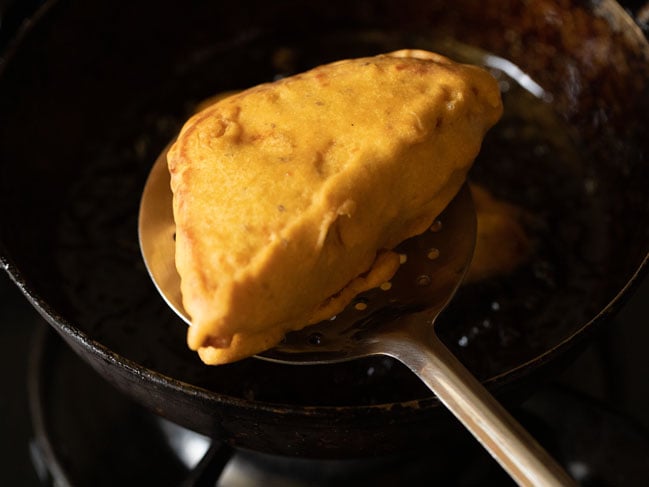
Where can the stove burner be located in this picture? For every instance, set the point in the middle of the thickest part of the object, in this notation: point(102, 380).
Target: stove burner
point(87, 433)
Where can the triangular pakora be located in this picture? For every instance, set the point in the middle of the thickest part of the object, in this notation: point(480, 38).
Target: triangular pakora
point(289, 196)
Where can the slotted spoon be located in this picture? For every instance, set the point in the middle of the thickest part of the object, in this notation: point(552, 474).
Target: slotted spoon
point(395, 320)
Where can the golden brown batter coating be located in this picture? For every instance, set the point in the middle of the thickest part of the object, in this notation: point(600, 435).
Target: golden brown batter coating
point(289, 196)
point(502, 244)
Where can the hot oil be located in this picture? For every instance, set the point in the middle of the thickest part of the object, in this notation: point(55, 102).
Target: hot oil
point(530, 159)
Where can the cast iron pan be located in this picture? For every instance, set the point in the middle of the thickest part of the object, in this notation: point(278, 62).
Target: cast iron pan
point(91, 92)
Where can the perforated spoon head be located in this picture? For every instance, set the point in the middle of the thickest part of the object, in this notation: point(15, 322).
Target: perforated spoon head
point(433, 266)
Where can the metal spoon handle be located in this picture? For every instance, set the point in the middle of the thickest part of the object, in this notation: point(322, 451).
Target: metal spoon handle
point(499, 433)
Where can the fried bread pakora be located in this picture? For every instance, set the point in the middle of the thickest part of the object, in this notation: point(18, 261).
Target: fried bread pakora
point(502, 243)
point(288, 197)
